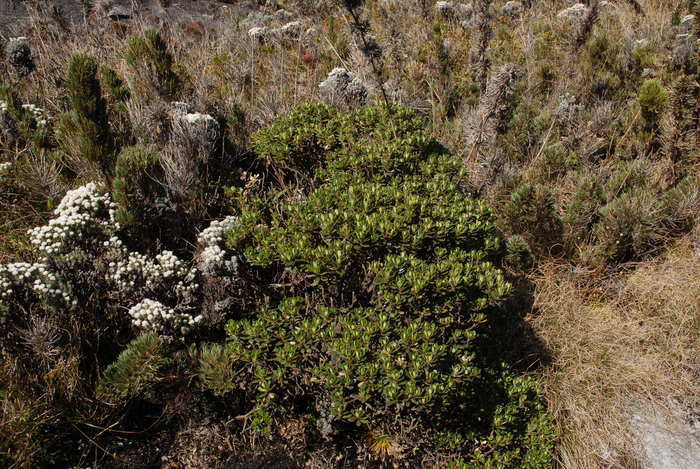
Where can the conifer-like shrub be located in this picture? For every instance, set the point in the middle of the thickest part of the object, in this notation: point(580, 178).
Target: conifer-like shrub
point(581, 213)
point(24, 124)
point(652, 100)
point(114, 85)
point(85, 129)
point(628, 227)
point(380, 279)
point(531, 213)
point(149, 58)
point(137, 367)
point(138, 187)
point(518, 253)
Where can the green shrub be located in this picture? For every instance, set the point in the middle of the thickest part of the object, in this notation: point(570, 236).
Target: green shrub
point(680, 205)
point(85, 129)
point(627, 176)
point(652, 101)
point(518, 253)
point(148, 55)
point(115, 87)
point(138, 187)
point(137, 367)
point(552, 163)
point(297, 141)
point(521, 434)
point(629, 227)
point(531, 212)
point(389, 276)
point(24, 126)
point(582, 210)
point(216, 369)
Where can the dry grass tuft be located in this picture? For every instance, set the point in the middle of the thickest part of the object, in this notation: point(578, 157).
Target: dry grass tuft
point(612, 357)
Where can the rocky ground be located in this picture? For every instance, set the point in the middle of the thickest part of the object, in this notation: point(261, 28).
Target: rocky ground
point(14, 14)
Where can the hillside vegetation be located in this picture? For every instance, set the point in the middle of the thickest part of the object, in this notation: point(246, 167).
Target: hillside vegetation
point(345, 233)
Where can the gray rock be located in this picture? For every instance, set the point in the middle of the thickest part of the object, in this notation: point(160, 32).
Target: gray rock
point(673, 444)
point(574, 12)
point(341, 82)
point(120, 13)
point(512, 9)
point(258, 33)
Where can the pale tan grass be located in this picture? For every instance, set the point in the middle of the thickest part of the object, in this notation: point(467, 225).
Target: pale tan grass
point(611, 357)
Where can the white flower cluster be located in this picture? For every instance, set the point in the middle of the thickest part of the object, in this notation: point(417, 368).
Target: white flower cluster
point(155, 317)
point(38, 114)
point(3, 107)
point(196, 117)
point(4, 168)
point(86, 218)
point(81, 211)
point(213, 258)
point(138, 273)
point(36, 277)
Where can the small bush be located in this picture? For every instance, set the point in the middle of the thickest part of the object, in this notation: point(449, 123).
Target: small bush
point(680, 205)
point(518, 253)
point(582, 210)
point(391, 276)
point(629, 227)
point(652, 100)
point(138, 187)
point(85, 129)
point(136, 368)
point(531, 212)
point(113, 84)
point(148, 55)
point(216, 369)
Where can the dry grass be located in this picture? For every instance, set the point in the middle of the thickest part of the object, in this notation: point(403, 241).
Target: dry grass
point(614, 356)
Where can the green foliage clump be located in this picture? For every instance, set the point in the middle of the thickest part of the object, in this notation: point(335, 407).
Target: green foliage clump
point(137, 186)
point(113, 84)
point(216, 369)
point(18, 122)
point(582, 210)
point(518, 253)
point(137, 367)
point(297, 141)
point(148, 54)
point(531, 212)
point(680, 205)
point(652, 100)
point(389, 270)
point(520, 421)
point(628, 175)
point(85, 129)
point(628, 227)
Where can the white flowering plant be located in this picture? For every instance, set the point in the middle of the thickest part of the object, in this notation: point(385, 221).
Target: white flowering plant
point(154, 316)
point(213, 258)
point(22, 283)
point(84, 228)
